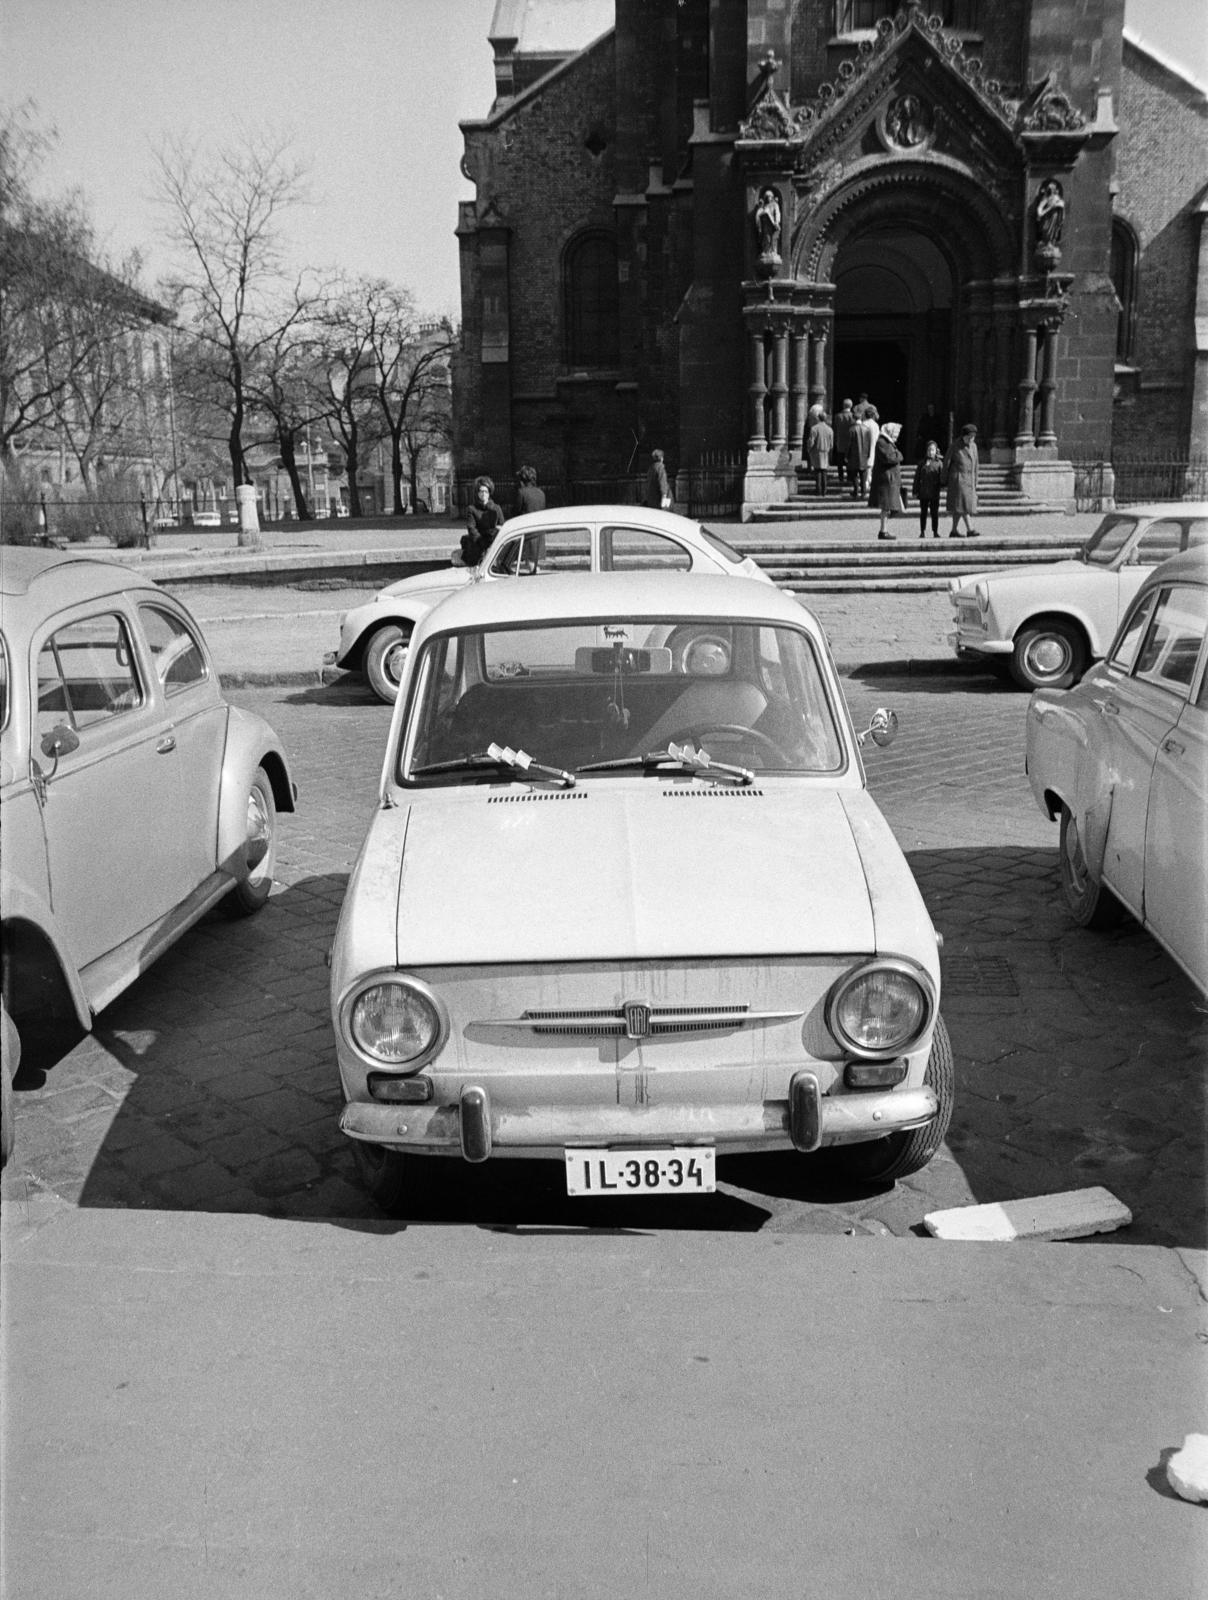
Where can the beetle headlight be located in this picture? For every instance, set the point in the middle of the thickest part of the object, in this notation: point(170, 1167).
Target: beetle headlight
point(881, 1009)
point(394, 1020)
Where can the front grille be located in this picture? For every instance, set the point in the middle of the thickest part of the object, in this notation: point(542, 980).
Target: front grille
point(609, 1022)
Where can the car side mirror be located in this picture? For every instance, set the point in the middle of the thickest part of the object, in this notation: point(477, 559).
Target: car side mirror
point(882, 729)
point(60, 741)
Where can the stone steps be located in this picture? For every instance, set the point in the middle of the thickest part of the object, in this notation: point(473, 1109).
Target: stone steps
point(996, 497)
point(903, 563)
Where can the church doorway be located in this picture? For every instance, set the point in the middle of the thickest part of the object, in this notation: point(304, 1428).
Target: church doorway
point(893, 337)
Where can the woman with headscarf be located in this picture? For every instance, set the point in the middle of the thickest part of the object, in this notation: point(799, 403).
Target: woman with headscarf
point(885, 487)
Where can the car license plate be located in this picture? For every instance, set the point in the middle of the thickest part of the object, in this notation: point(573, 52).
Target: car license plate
point(676, 1169)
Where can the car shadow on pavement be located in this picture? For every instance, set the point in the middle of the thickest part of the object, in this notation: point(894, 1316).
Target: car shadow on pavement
point(960, 680)
point(350, 689)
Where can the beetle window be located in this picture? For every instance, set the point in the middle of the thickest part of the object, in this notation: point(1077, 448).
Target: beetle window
point(1172, 645)
point(551, 550)
point(178, 658)
point(637, 549)
point(1131, 635)
point(86, 674)
point(1158, 543)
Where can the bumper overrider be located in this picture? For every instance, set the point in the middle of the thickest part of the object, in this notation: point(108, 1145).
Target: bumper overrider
point(806, 1121)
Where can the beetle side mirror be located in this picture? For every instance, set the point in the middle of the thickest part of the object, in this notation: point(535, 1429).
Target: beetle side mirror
point(882, 729)
point(60, 741)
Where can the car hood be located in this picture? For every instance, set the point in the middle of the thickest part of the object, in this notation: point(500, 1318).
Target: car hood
point(445, 578)
point(1029, 574)
point(617, 870)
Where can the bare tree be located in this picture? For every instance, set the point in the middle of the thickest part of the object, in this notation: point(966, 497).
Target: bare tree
point(411, 385)
point(289, 395)
point(237, 297)
point(346, 358)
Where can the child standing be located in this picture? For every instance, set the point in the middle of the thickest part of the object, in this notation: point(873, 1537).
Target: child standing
point(928, 479)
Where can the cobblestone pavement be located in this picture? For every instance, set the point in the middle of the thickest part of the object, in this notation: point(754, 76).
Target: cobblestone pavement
point(211, 1085)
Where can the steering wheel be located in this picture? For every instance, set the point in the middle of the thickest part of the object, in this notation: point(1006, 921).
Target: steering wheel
point(733, 733)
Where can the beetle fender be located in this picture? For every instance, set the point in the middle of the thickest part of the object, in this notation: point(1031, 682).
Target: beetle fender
point(31, 936)
point(250, 743)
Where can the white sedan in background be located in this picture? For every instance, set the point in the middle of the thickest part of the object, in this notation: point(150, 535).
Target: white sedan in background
point(375, 638)
point(627, 904)
point(1122, 760)
point(1047, 622)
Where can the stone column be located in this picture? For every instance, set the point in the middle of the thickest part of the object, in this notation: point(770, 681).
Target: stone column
point(1001, 439)
point(780, 387)
point(1024, 435)
point(797, 392)
point(1048, 385)
point(818, 365)
point(757, 389)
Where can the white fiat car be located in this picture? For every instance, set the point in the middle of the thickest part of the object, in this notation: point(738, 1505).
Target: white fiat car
point(374, 638)
point(626, 903)
point(1122, 760)
point(1046, 623)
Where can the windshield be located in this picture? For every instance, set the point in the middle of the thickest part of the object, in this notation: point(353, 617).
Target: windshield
point(1108, 539)
point(600, 698)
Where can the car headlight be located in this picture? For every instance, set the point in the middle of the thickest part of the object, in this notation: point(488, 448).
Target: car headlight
point(882, 1008)
point(393, 1020)
point(982, 595)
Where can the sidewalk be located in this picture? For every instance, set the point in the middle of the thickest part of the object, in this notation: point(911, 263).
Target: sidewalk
point(257, 1409)
point(270, 615)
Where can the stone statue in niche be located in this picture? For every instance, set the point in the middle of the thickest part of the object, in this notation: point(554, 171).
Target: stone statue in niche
point(1050, 215)
point(767, 224)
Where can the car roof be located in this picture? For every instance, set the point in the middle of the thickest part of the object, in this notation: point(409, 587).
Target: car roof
point(564, 516)
point(1188, 566)
point(583, 596)
point(24, 568)
point(1164, 508)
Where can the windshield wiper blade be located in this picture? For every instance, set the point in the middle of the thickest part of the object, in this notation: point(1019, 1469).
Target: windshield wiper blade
point(498, 757)
point(679, 756)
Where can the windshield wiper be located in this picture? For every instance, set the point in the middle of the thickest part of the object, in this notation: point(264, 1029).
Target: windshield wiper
point(678, 757)
point(497, 758)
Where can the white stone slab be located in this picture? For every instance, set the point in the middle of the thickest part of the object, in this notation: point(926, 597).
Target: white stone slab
point(1047, 1216)
point(1187, 1469)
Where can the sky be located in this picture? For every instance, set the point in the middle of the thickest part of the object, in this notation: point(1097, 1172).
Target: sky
point(370, 91)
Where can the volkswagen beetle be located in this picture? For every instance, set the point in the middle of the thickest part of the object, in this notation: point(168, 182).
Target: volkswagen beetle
point(134, 797)
point(375, 637)
point(626, 903)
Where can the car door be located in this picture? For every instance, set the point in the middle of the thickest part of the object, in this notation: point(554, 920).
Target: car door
point(196, 713)
point(1140, 711)
point(1176, 837)
point(110, 805)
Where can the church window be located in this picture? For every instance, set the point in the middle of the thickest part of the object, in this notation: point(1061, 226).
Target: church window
point(589, 300)
point(1125, 252)
point(862, 16)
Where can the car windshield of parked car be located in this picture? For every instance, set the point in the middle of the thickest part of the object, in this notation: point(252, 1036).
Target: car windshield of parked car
point(573, 695)
point(1108, 539)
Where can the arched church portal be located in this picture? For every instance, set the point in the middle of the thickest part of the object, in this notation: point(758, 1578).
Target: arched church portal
point(895, 297)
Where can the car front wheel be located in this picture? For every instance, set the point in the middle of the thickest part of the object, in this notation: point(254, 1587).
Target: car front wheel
point(1048, 654)
point(255, 881)
point(886, 1160)
point(384, 1174)
point(385, 658)
point(1088, 902)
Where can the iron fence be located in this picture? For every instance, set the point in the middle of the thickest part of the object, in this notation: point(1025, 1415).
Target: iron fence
point(712, 488)
point(1140, 478)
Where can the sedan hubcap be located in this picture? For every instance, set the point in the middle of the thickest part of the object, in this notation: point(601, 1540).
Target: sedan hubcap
point(1049, 656)
point(259, 834)
point(394, 662)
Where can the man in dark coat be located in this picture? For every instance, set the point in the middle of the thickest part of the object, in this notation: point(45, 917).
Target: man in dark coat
point(658, 490)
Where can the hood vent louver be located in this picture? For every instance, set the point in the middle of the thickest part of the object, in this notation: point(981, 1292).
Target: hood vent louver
point(717, 793)
point(534, 794)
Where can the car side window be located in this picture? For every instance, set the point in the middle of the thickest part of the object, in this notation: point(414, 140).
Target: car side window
point(639, 550)
point(86, 674)
point(1175, 638)
point(1158, 543)
point(1131, 634)
point(179, 660)
point(551, 550)
point(1197, 532)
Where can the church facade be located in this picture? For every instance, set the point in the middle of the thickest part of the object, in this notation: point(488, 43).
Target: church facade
point(719, 213)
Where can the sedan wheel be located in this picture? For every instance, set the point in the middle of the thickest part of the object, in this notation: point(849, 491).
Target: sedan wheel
point(1048, 655)
point(385, 658)
point(383, 1172)
point(1088, 902)
point(255, 881)
point(886, 1160)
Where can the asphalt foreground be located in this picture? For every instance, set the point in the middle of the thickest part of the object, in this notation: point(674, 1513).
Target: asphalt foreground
point(225, 1376)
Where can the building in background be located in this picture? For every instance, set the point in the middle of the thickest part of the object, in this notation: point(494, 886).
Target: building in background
point(693, 224)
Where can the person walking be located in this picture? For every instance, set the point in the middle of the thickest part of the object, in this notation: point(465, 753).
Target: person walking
point(928, 481)
point(658, 490)
point(528, 496)
point(885, 491)
point(860, 452)
point(818, 446)
point(483, 521)
point(843, 426)
point(960, 474)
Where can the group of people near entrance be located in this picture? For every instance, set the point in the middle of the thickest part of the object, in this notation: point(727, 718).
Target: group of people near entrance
point(866, 455)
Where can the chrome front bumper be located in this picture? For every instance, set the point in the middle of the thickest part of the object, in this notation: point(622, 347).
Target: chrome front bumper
point(477, 1130)
point(969, 646)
